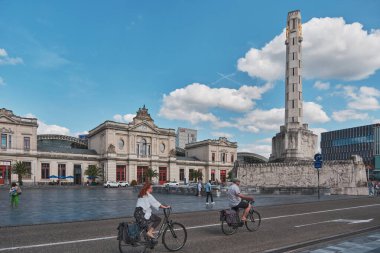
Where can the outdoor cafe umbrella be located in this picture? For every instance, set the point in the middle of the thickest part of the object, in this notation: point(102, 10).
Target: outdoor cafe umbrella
point(53, 176)
point(69, 177)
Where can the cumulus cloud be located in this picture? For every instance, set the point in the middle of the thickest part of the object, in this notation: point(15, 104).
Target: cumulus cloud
point(258, 119)
point(44, 128)
point(193, 102)
point(345, 115)
point(362, 98)
point(321, 85)
point(264, 150)
point(6, 60)
point(331, 49)
point(313, 113)
point(126, 118)
point(222, 134)
point(272, 119)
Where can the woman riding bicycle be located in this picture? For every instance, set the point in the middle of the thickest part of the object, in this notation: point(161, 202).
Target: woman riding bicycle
point(143, 212)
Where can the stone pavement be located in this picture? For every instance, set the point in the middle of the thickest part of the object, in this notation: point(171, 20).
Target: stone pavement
point(369, 243)
point(52, 205)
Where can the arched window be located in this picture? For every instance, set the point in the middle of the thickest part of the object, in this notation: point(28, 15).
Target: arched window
point(143, 148)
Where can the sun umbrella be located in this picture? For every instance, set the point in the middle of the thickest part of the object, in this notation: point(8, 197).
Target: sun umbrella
point(53, 176)
point(69, 177)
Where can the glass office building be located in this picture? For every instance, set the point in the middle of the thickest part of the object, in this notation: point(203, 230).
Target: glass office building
point(362, 140)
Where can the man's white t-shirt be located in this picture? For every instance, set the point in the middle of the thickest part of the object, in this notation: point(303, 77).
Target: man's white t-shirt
point(146, 203)
point(233, 190)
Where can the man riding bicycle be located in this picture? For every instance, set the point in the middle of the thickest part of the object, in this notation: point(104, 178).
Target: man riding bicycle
point(235, 199)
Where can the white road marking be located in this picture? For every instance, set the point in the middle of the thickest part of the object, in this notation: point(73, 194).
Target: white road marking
point(338, 220)
point(187, 228)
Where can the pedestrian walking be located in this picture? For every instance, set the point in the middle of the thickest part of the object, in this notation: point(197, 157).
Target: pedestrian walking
point(14, 193)
point(370, 188)
point(209, 193)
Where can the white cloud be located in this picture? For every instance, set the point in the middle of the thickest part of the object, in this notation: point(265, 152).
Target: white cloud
point(318, 132)
point(321, 85)
point(363, 98)
point(264, 150)
point(2, 82)
point(193, 102)
point(258, 120)
point(266, 140)
point(346, 115)
point(331, 49)
point(222, 134)
point(3, 53)
point(319, 98)
point(313, 113)
point(124, 118)
point(44, 128)
point(6, 60)
point(271, 120)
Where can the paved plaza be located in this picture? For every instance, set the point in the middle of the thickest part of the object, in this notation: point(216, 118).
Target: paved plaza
point(59, 204)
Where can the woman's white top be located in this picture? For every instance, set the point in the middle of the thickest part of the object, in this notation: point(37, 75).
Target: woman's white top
point(146, 203)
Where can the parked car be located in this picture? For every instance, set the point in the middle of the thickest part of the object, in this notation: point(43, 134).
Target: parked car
point(123, 183)
point(109, 184)
point(172, 183)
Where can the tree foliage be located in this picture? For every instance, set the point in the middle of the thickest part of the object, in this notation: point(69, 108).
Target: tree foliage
point(21, 170)
point(93, 171)
point(150, 173)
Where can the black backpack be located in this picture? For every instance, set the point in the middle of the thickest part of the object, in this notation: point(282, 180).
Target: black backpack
point(129, 232)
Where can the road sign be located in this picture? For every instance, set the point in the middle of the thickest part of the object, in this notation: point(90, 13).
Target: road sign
point(318, 157)
point(318, 164)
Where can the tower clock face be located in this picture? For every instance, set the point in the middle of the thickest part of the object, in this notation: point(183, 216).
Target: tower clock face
point(162, 147)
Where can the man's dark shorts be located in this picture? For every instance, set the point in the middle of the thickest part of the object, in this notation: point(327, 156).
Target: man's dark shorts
point(242, 204)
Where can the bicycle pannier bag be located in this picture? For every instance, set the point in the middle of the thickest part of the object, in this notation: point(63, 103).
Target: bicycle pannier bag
point(129, 232)
point(231, 217)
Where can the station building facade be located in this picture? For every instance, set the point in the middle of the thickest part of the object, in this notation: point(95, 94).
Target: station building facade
point(123, 151)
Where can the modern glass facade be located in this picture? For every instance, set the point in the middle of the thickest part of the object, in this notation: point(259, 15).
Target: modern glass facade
point(342, 144)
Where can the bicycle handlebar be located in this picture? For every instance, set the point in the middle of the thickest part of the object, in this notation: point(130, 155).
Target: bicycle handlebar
point(167, 211)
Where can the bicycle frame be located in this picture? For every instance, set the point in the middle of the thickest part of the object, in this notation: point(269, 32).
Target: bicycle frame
point(164, 224)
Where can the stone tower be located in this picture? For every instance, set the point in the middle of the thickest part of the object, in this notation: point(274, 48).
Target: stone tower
point(295, 141)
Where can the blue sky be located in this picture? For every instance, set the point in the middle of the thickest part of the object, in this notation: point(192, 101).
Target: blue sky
point(216, 66)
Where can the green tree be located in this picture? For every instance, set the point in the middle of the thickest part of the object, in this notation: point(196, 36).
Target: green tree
point(21, 170)
point(93, 172)
point(230, 175)
point(150, 173)
point(197, 174)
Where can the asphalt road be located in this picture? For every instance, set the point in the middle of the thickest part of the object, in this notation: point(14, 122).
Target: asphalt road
point(282, 226)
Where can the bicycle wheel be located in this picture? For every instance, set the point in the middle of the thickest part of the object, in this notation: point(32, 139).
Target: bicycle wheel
point(253, 220)
point(123, 247)
point(228, 229)
point(174, 236)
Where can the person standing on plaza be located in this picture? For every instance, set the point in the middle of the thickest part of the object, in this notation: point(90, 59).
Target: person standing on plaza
point(370, 188)
point(14, 193)
point(143, 212)
point(199, 187)
point(209, 192)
